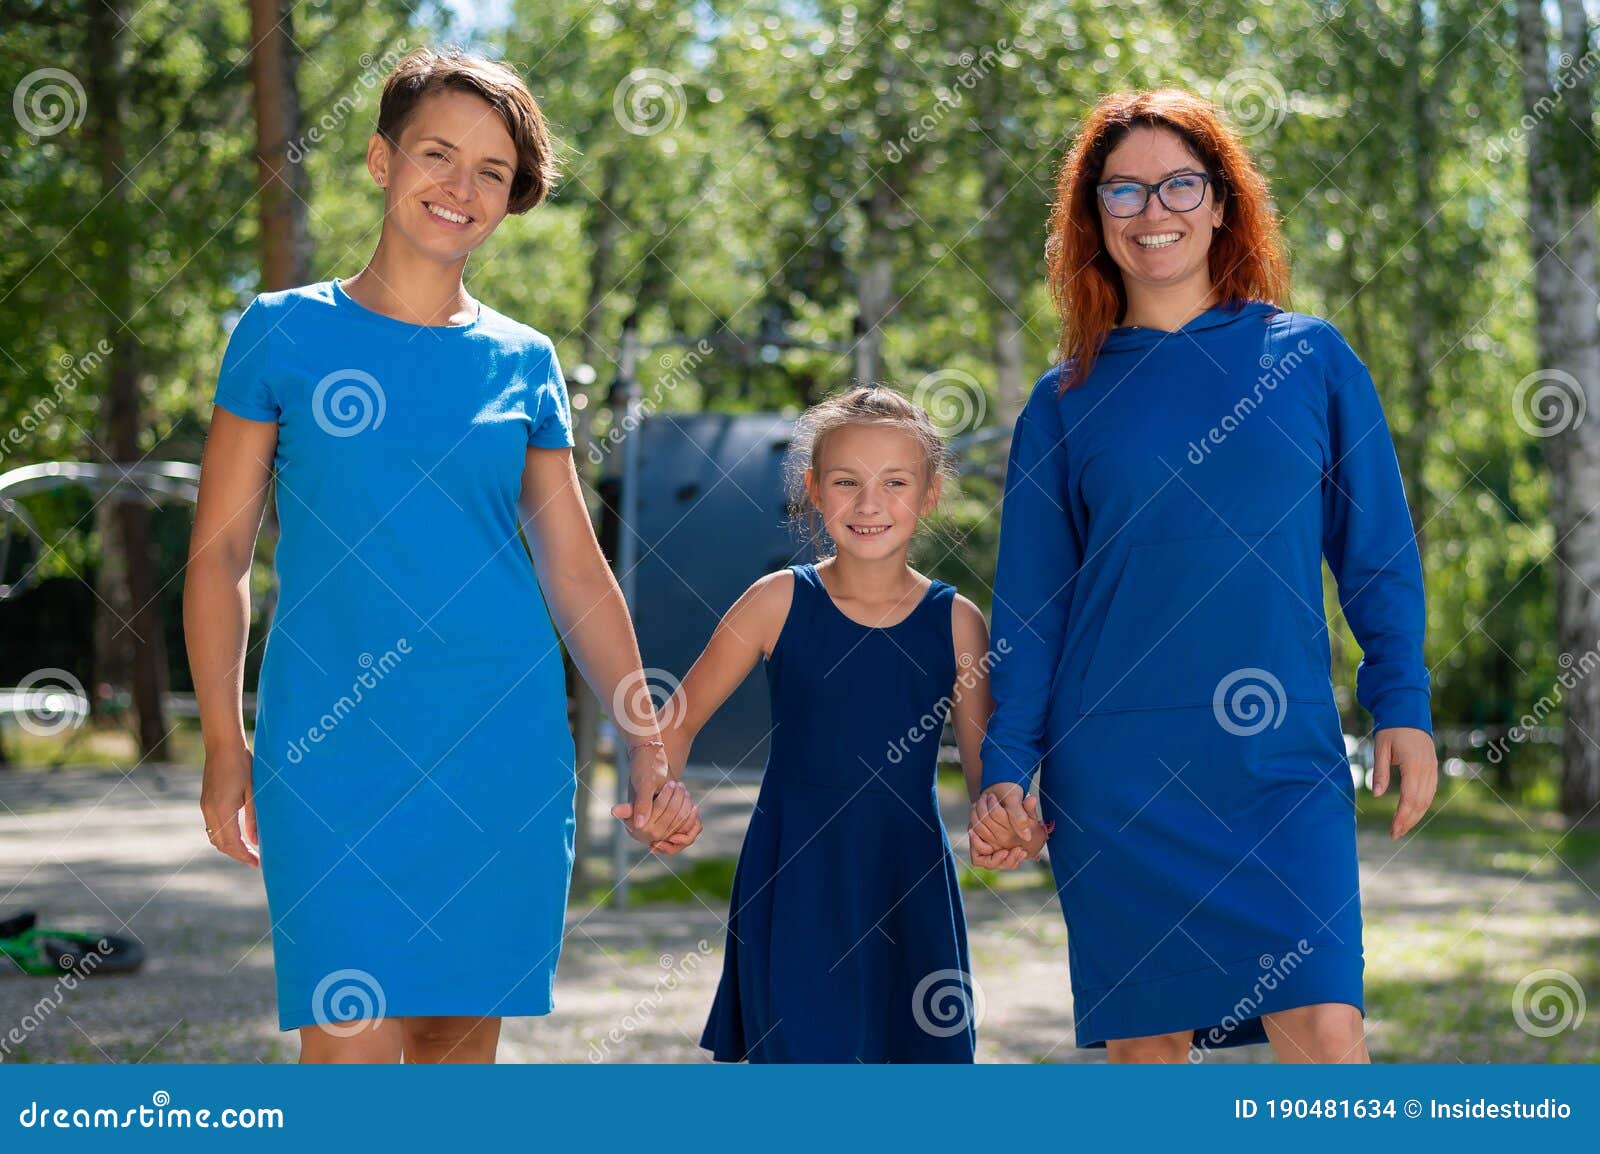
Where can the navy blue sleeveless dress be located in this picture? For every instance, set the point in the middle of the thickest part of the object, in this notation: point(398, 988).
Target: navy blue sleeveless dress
point(846, 938)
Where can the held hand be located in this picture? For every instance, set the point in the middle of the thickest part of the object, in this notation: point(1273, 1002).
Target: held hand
point(1411, 751)
point(229, 808)
point(660, 813)
point(684, 835)
point(984, 853)
point(1007, 820)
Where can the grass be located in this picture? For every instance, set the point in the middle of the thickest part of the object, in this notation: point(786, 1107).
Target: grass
point(1468, 811)
point(96, 744)
point(708, 880)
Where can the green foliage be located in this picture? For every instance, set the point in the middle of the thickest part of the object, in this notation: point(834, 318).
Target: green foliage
point(728, 197)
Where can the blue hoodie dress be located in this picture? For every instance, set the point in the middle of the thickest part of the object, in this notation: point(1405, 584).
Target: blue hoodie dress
point(1158, 609)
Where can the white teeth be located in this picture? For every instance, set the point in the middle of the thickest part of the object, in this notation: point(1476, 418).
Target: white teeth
point(1161, 240)
point(868, 530)
point(453, 217)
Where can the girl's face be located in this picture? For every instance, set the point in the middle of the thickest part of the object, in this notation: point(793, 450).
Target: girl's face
point(448, 179)
point(870, 486)
point(1158, 247)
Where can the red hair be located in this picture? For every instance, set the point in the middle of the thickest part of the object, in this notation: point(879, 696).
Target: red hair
point(1246, 255)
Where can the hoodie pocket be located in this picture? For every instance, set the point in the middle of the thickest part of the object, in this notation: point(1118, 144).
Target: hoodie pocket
point(1220, 621)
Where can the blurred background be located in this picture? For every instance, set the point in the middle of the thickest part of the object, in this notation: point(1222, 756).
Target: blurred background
point(759, 203)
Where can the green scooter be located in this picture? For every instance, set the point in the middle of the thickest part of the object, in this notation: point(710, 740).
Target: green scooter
point(41, 952)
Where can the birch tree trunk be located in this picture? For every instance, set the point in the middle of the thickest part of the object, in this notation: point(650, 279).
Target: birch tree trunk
point(1561, 190)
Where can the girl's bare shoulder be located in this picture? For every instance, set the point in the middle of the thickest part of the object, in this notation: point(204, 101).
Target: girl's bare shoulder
point(968, 625)
point(762, 609)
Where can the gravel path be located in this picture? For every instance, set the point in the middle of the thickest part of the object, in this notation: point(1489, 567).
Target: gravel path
point(92, 848)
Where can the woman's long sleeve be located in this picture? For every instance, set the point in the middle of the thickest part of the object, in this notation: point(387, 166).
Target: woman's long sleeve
point(1371, 549)
point(1039, 558)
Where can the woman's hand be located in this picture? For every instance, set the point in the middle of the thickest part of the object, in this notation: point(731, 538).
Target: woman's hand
point(226, 802)
point(660, 813)
point(1413, 753)
point(983, 852)
point(1004, 828)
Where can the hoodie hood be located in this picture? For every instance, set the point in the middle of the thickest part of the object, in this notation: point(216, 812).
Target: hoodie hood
point(1228, 314)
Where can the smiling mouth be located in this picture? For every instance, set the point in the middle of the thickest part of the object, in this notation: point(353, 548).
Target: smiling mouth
point(1158, 239)
point(868, 530)
point(446, 214)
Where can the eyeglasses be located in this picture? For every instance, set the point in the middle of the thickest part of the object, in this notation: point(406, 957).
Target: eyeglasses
point(1181, 192)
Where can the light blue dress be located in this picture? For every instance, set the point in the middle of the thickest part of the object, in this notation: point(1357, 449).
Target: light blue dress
point(413, 765)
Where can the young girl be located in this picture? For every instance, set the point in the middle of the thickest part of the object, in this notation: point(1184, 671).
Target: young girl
point(846, 940)
point(412, 776)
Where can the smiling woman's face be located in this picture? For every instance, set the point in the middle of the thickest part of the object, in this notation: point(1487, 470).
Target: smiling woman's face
point(1158, 247)
point(448, 180)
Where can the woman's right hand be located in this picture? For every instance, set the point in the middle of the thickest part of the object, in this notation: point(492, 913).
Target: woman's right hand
point(1004, 828)
point(226, 802)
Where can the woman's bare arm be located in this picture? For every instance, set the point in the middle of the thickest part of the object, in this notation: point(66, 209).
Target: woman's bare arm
point(591, 615)
point(235, 473)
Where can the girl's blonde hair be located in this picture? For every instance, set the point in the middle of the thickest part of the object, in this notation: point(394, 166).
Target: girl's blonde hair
point(861, 405)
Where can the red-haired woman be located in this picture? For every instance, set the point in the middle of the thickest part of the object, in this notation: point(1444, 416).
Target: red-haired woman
point(1174, 484)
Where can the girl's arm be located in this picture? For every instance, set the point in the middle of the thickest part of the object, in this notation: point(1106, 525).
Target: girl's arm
point(590, 614)
point(746, 634)
point(234, 475)
point(971, 702)
point(988, 827)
